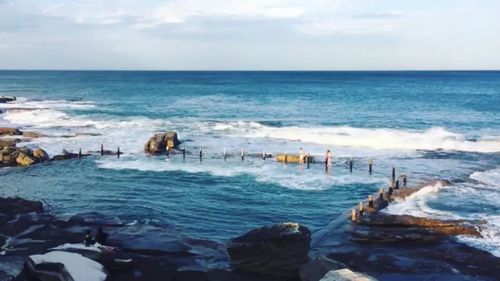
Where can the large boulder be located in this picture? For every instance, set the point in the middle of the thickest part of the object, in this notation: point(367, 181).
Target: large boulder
point(278, 250)
point(10, 132)
point(159, 142)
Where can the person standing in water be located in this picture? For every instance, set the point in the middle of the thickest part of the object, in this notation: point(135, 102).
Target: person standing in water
point(328, 160)
point(302, 155)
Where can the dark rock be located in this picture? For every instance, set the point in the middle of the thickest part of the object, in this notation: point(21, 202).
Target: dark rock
point(159, 142)
point(278, 250)
point(14, 206)
point(7, 99)
point(315, 269)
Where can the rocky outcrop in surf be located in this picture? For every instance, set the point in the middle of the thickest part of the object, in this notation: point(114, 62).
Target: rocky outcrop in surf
point(160, 142)
point(278, 250)
point(15, 156)
point(4, 99)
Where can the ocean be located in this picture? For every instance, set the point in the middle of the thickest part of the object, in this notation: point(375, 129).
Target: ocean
point(426, 124)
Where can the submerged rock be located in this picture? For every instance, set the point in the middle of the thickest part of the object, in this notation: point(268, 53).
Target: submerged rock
point(159, 142)
point(278, 250)
point(33, 135)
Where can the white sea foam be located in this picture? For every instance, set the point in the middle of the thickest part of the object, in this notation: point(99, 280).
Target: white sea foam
point(292, 176)
point(416, 203)
point(490, 232)
point(380, 138)
point(490, 178)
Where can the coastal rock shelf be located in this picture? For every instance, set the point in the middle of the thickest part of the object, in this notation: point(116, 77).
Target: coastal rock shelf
point(36, 244)
point(399, 247)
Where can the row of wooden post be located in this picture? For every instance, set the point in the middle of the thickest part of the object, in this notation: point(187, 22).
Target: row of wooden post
point(264, 156)
point(393, 186)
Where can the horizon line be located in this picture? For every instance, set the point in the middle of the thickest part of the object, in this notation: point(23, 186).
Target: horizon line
point(253, 70)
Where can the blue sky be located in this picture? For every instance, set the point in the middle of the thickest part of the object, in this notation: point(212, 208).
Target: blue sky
point(250, 35)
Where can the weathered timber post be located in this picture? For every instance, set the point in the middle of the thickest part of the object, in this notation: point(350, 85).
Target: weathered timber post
point(370, 164)
point(370, 201)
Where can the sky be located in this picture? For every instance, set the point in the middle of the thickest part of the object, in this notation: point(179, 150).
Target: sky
point(250, 34)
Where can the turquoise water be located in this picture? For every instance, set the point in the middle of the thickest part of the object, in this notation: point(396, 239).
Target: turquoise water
point(427, 124)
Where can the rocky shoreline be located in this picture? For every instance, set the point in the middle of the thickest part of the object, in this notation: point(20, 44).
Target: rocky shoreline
point(382, 246)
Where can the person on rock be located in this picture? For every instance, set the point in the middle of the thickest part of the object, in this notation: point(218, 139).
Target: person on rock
point(88, 241)
point(101, 237)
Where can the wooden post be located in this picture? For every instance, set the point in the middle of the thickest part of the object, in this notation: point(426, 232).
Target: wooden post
point(404, 181)
point(242, 154)
point(118, 152)
point(381, 194)
point(370, 201)
point(184, 153)
point(80, 153)
point(350, 165)
point(308, 160)
point(390, 190)
point(370, 164)
point(397, 185)
point(168, 152)
point(361, 208)
point(225, 154)
point(102, 150)
point(286, 158)
point(201, 154)
point(393, 174)
point(353, 214)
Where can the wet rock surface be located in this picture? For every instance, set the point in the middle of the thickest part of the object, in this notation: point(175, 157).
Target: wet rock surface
point(278, 250)
point(132, 252)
